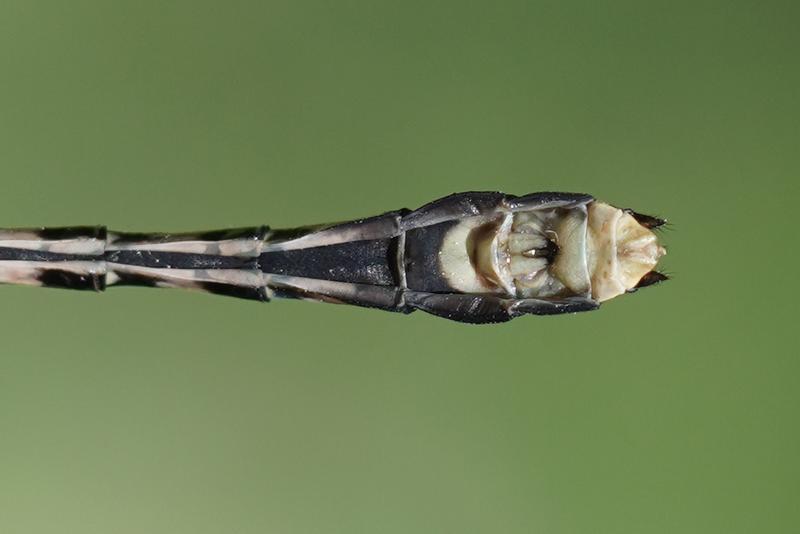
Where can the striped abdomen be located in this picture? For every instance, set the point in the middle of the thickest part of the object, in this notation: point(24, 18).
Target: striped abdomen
point(92, 258)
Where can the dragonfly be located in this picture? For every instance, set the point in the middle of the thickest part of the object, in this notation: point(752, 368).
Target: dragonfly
point(473, 257)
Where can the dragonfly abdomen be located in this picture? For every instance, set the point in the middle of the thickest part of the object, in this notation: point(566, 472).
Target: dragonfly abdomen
point(473, 257)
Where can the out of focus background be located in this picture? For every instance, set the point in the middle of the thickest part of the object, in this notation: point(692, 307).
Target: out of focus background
point(671, 410)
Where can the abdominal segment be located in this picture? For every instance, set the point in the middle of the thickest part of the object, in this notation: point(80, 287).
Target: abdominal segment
point(518, 255)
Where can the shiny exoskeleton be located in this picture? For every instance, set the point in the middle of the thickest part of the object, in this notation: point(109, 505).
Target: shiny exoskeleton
point(477, 257)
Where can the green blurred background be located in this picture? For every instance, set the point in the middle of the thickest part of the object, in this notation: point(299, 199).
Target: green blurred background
point(141, 411)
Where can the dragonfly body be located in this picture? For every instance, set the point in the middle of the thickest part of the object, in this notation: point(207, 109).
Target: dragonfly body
point(477, 257)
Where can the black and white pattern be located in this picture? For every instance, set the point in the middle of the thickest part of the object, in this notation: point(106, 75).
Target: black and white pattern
point(478, 257)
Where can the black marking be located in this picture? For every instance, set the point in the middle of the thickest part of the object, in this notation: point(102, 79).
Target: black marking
point(360, 262)
point(475, 309)
point(555, 306)
point(287, 292)
point(423, 271)
point(648, 221)
point(21, 254)
point(651, 278)
point(72, 232)
point(533, 200)
point(250, 233)
point(363, 295)
point(133, 279)
point(138, 258)
point(179, 260)
point(484, 309)
point(549, 252)
point(231, 290)
point(70, 280)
